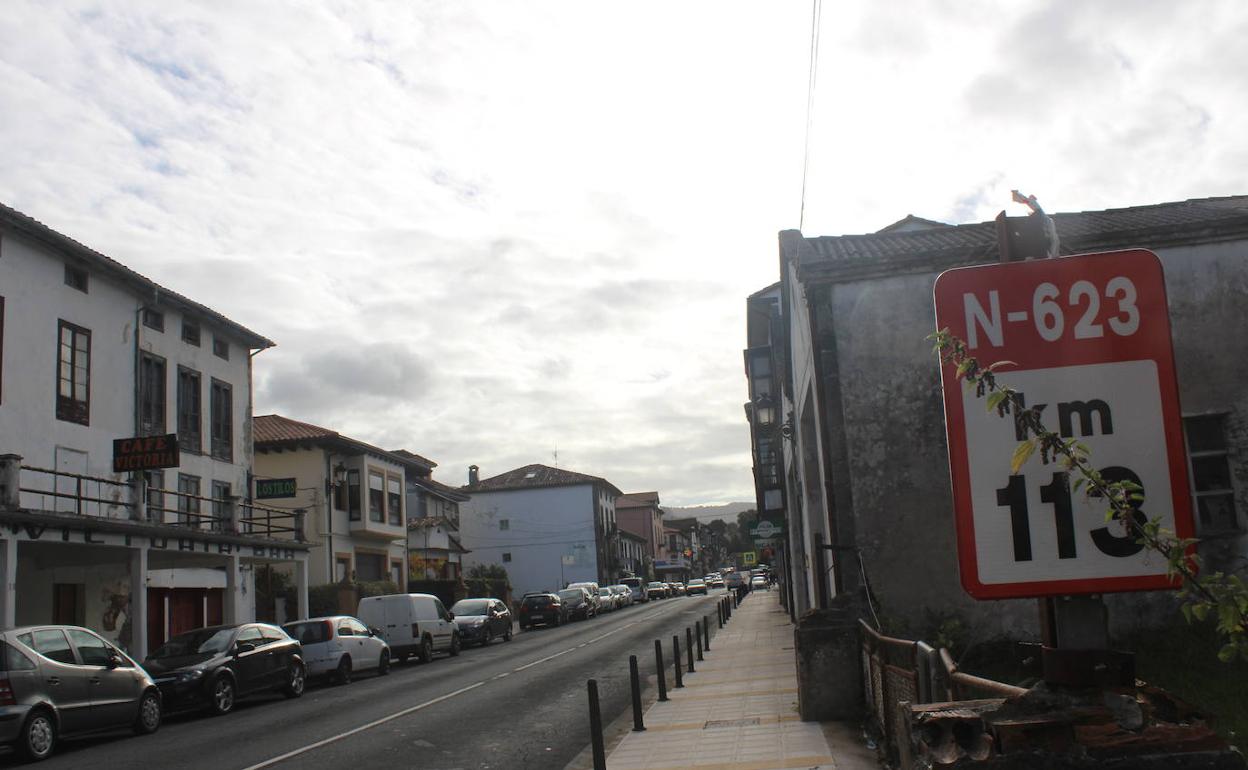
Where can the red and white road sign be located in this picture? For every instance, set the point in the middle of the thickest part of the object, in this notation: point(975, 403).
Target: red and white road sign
point(1089, 336)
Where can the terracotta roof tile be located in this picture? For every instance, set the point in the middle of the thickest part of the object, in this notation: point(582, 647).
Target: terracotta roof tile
point(274, 430)
point(536, 476)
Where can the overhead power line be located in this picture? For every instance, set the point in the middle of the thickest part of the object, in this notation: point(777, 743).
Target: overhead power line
point(816, 15)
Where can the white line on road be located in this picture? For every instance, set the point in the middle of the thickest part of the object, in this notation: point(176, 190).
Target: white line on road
point(362, 728)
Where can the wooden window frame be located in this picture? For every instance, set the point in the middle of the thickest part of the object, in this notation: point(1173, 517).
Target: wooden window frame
point(377, 516)
point(188, 440)
point(77, 278)
point(153, 319)
point(355, 500)
point(191, 332)
point(155, 426)
point(221, 431)
point(68, 408)
point(1223, 453)
point(220, 348)
point(394, 517)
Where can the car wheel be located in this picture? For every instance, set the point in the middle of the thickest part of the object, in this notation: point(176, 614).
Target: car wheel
point(296, 681)
point(426, 650)
point(38, 736)
point(342, 674)
point(383, 665)
point(507, 634)
point(454, 645)
point(489, 637)
point(222, 700)
point(148, 719)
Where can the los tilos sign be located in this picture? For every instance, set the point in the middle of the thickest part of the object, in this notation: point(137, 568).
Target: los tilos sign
point(1088, 338)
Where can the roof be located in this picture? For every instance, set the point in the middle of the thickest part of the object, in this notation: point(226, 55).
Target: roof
point(684, 525)
point(12, 220)
point(849, 257)
point(910, 223)
point(631, 535)
point(414, 456)
point(273, 431)
point(439, 489)
point(537, 476)
point(637, 500)
point(430, 522)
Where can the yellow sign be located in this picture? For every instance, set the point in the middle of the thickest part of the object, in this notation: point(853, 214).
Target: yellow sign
point(749, 558)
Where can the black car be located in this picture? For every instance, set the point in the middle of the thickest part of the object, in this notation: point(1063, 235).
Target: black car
point(578, 603)
point(213, 667)
point(482, 620)
point(542, 608)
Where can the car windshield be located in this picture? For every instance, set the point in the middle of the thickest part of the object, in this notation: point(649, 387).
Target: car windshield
point(469, 607)
point(656, 585)
point(604, 591)
point(572, 593)
point(205, 641)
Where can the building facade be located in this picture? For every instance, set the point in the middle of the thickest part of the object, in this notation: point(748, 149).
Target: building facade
point(642, 514)
point(546, 526)
point(138, 554)
point(861, 428)
point(354, 495)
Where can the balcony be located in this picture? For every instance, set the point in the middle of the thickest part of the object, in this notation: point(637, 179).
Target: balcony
point(377, 530)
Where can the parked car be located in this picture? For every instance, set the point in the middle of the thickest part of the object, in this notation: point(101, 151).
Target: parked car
point(637, 587)
point(758, 581)
point(656, 590)
point(546, 609)
point(607, 600)
point(578, 603)
point(678, 588)
point(594, 596)
point(481, 620)
point(716, 581)
point(696, 586)
point(412, 624)
point(215, 666)
point(52, 683)
point(340, 645)
point(625, 595)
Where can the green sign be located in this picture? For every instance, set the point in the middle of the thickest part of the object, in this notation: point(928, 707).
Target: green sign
point(766, 530)
point(267, 489)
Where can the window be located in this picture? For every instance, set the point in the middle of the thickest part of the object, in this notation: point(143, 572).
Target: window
point(396, 573)
point(370, 567)
point(376, 496)
point(220, 348)
point(153, 319)
point(190, 333)
point(155, 494)
point(345, 629)
point(190, 410)
point(151, 395)
point(93, 650)
point(188, 499)
point(504, 524)
point(73, 377)
point(221, 418)
point(1211, 473)
point(76, 277)
point(342, 568)
point(506, 556)
point(251, 635)
point(52, 644)
point(220, 505)
point(394, 500)
point(353, 495)
point(16, 660)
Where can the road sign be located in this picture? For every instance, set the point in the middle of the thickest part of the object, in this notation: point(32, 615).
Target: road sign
point(766, 530)
point(749, 558)
point(269, 489)
point(145, 453)
point(1089, 338)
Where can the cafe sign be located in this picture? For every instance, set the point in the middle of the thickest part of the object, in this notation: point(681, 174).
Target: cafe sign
point(145, 453)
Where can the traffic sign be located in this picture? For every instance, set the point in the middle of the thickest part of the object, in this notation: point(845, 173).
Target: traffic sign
point(1088, 341)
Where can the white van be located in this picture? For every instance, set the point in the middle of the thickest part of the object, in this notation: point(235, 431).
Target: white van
point(637, 587)
point(412, 624)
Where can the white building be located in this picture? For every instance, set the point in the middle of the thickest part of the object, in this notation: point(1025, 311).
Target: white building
point(355, 495)
point(92, 352)
point(546, 526)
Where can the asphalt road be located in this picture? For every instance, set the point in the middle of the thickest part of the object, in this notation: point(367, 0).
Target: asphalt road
point(518, 704)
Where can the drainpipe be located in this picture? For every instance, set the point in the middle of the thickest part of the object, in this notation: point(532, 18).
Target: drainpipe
point(329, 519)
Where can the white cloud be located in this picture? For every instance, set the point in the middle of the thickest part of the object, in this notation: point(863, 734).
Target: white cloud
point(486, 230)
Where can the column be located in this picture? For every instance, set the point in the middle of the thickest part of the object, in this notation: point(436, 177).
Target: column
point(138, 603)
point(232, 604)
point(301, 586)
point(8, 592)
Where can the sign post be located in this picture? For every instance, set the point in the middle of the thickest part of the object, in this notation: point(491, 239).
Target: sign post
point(1088, 338)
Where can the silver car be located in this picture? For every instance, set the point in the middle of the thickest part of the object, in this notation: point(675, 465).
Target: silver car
point(59, 681)
point(340, 646)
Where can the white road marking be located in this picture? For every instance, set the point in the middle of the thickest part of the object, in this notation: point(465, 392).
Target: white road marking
point(362, 728)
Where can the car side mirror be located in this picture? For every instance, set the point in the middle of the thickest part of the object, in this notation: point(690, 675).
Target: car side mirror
point(450, 615)
point(115, 660)
point(374, 632)
point(243, 647)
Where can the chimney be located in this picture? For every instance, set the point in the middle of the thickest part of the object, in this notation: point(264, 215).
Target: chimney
point(473, 475)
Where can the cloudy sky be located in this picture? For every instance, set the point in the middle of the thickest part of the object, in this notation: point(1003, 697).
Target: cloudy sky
point(484, 231)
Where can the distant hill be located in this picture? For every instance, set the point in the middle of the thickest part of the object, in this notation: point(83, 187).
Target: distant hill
point(726, 511)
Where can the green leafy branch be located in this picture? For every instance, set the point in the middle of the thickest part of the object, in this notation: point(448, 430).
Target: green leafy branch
point(1217, 596)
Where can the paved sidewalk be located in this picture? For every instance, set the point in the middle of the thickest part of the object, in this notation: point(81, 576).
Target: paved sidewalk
point(739, 710)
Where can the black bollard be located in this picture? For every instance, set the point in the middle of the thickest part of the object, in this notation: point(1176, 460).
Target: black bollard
point(697, 631)
point(719, 613)
point(658, 667)
point(706, 632)
point(635, 680)
point(595, 727)
point(676, 659)
point(689, 647)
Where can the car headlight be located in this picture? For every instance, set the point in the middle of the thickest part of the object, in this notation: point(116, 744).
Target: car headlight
point(190, 676)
